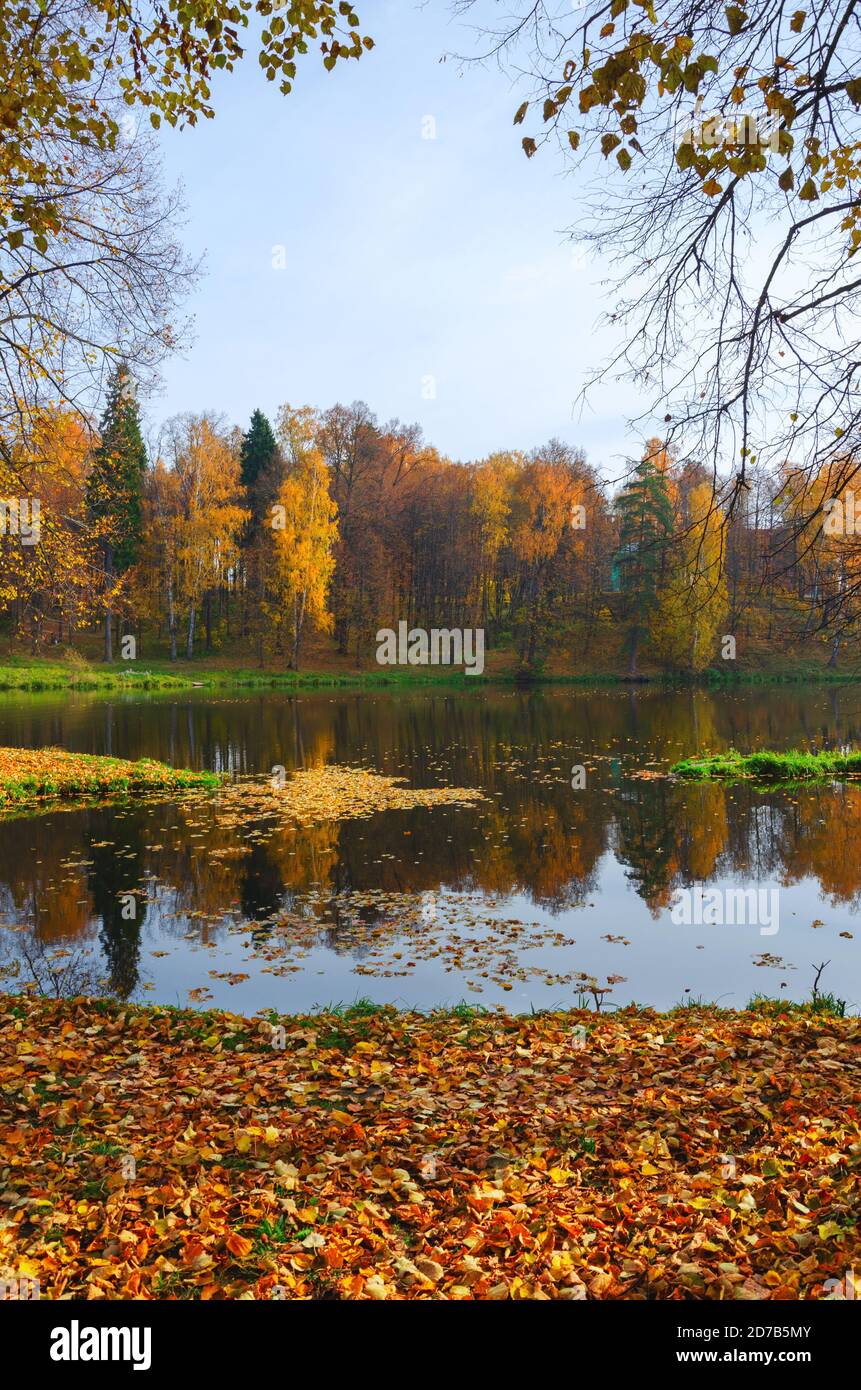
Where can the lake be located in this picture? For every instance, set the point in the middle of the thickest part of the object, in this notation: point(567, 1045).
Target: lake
point(557, 888)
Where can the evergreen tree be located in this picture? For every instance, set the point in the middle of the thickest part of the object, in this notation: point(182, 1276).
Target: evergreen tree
point(258, 454)
point(115, 486)
point(258, 450)
point(645, 526)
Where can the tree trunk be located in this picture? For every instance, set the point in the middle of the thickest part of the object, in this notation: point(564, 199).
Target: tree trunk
point(171, 620)
point(299, 621)
point(109, 571)
point(189, 646)
point(635, 646)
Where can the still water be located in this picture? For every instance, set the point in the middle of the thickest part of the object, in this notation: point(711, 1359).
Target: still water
point(555, 885)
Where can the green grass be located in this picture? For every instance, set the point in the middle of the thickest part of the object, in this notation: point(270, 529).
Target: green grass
point(782, 671)
point(360, 1008)
point(34, 674)
point(824, 1005)
point(40, 676)
point(794, 765)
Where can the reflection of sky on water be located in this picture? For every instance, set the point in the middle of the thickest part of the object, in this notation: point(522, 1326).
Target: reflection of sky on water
point(592, 863)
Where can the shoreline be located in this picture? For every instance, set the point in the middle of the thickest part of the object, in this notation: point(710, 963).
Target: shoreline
point(42, 675)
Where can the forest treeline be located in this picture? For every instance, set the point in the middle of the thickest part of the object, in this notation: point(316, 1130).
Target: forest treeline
point(330, 522)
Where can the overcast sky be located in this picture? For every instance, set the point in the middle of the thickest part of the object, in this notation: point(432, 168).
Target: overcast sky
point(348, 256)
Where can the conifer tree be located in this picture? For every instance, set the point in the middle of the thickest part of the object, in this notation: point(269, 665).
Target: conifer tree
point(257, 453)
point(115, 487)
point(645, 526)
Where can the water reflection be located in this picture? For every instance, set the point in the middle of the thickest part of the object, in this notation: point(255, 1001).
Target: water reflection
point(601, 859)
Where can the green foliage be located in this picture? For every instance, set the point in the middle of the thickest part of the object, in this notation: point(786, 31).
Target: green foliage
point(258, 450)
point(115, 484)
point(645, 527)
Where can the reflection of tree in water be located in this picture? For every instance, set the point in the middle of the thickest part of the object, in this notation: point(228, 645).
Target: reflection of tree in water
point(534, 836)
point(261, 888)
point(346, 932)
point(762, 833)
point(646, 841)
point(116, 872)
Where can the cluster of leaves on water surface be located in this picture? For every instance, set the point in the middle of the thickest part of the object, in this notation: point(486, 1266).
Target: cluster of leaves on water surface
point(331, 792)
point(370, 1154)
point(394, 934)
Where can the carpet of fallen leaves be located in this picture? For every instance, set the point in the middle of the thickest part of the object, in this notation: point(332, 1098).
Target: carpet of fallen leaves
point(158, 1153)
point(330, 792)
point(28, 774)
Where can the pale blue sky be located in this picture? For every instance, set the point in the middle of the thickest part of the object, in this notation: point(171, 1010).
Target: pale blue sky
point(406, 258)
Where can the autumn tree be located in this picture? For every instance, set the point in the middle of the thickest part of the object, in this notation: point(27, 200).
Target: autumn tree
point(90, 268)
point(157, 578)
point(541, 513)
point(49, 563)
point(352, 446)
point(727, 142)
point(490, 504)
point(200, 513)
point(822, 550)
point(98, 285)
point(691, 598)
point(304, 529)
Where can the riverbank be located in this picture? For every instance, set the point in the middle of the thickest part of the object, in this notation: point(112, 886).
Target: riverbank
point(371, 1154)
point(793, 765)
point(32, 775)
point(35, 674)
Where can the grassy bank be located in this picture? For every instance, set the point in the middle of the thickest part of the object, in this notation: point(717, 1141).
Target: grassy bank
point(49, 675)
point(28, 775)
point(794, 765)
point(325, 670)
point(372, 1154)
